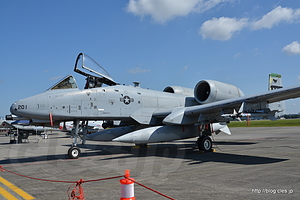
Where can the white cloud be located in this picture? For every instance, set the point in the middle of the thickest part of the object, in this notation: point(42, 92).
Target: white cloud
point(237, 55)
point(138, 70)
point(184, 69)
point(276, 16)
point(164, 10)
point(292, 49)
point(222, 28)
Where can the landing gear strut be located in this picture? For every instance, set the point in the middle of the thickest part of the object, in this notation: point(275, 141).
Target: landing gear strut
point(74, 151)
point(204, 143)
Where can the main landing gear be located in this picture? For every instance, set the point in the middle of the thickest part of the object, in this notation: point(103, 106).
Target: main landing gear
point(74, 151)
point(204, 143)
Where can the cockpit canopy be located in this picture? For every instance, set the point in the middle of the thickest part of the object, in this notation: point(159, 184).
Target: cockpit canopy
point(68, 82)
point(95, 73)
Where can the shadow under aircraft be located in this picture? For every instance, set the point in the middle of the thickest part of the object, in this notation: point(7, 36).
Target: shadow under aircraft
point(185, 150)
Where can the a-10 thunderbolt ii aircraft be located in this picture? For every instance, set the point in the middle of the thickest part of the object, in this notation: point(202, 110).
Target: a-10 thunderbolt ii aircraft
point(146, 116)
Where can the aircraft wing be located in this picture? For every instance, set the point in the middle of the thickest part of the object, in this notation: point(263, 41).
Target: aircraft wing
point(212, 111)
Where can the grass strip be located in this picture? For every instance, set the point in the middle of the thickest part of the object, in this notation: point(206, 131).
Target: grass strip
point(266, 123)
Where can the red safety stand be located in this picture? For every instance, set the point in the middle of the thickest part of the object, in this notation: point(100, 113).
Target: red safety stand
point(127, 187)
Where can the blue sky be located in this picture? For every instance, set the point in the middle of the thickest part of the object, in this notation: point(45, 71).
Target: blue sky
point(156, 42)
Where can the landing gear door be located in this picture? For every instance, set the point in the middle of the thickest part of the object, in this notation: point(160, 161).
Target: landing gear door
point(95, 73)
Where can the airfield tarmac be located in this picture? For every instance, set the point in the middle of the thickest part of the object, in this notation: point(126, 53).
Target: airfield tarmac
point(252, 163)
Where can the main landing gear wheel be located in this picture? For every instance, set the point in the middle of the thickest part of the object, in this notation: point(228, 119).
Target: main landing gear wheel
point(204, 143)
point(74, 152)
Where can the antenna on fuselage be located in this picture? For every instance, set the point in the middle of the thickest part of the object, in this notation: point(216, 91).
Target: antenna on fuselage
point(136, 84)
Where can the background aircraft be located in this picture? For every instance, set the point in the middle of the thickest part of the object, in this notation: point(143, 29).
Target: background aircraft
point(4, 126)
point(93, 126)
point(23, 125)
point(19, 130)
point(146, 116)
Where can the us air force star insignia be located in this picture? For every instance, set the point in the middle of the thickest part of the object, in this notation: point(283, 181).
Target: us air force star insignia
point(126, 100)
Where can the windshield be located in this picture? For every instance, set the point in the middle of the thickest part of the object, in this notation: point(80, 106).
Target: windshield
point(66, 83)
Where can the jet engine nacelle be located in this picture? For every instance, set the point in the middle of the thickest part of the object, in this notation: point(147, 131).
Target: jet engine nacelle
point(179, 90)
point(207, 91)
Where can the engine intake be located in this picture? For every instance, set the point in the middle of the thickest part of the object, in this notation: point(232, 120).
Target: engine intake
point(207, 91)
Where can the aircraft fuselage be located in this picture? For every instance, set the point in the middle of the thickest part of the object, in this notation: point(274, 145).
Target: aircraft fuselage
point(114, 102)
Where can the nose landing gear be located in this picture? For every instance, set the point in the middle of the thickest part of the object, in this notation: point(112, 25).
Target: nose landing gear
point(74, 152)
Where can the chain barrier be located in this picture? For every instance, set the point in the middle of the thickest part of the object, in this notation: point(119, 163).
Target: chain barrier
point(77, 193)
point(150, 189)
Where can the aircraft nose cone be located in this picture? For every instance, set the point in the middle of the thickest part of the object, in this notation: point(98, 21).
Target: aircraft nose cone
point(21, 107)
point(13, 108)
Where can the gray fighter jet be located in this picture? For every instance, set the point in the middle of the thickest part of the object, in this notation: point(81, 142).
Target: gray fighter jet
point(146, 116)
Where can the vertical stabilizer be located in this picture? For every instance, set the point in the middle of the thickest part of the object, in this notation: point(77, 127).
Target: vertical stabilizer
point(275, 82)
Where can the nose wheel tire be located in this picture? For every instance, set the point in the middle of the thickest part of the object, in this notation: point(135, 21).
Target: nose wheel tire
point(74, 152)
point(204, 144)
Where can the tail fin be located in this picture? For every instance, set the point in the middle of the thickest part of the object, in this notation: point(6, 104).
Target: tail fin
point(275, 82)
